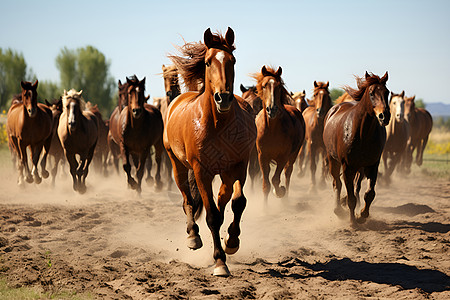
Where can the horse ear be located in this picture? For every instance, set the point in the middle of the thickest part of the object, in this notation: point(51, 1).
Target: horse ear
point(35, 84)
point(402, 94)
point(413, 98)
point(315, 84)
point(229, 36)
point(47, 103)
point(367, 75)
point(385, 77)
point(143, 81)
point(148, 97)
point(291, 93)
point(208, 38)
point(65, 93)
point(304, 92)
point(128, 80)
point(80, 92)
point(243, 89)
point(279, 71)
point(328, 84)
point(120, 82)
point(22, 84)
point(264, 71)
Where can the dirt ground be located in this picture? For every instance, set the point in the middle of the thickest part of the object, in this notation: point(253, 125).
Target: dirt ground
point(112, 244)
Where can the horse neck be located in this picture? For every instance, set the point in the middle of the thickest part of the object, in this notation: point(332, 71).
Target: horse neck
point(208, 107)
point(364, 111)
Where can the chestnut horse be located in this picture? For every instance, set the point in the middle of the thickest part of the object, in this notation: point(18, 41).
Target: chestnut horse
point(354, 136)
point(78, 133)
point(56, 150)
point(281, 130)
point(250, 96)
point(114, 129)
point(314, 117)
point(140, 126)
point(101, 152)
point(397, 135)
point(345, 97)
point(421, 124)
point(301, 103)
point(208, 133)
point(29, 124)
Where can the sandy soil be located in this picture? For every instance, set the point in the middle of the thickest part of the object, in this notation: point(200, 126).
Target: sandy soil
point(111, 243)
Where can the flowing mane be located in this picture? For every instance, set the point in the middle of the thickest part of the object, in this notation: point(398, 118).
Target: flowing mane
point(286, 98)
point(74, 95)
point(191, 61)
point(363, 84)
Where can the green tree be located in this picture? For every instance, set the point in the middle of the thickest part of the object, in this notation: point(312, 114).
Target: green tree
point(87, 69)
point(419, 103)
point(48, 90)
point(13, 69)
point(335, 93)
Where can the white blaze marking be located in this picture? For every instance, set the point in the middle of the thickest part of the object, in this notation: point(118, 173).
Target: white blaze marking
point(220, 56)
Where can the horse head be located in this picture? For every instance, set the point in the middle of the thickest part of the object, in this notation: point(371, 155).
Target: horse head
point(29, 97)
point(73, 105)
point(136, 98)
point(379, 96)
point(322, 100)
point(170, 75)
point(397, 106)
point(219, 68)
point(250, 95)
point(270, 88)
point(410, 108)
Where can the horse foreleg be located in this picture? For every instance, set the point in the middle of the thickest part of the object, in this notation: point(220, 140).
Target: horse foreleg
point(313, 166)
point(127, 166)
point(24, 162)
point(288, 172)
point(335, 170)
point(264, 164)
point(214, 217)
point(278, 190)
point(35, 155)
point(371, 174)
point(349, 177)
point(422, 145)
point(148, 167)
point(47, 145)
point(168, 165)
point(54, 170)
point(159, 148)
point(73, 164)
point(140, 168)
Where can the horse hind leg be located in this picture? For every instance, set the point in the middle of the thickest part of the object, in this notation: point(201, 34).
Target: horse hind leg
point(279, 191)
point(148, 167)
point(335, 170)
point(287, 174)
point(47, 145)
point(349, 177)
point(159, 148)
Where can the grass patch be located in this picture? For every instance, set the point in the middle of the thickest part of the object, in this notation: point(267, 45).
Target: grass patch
point(22, 293)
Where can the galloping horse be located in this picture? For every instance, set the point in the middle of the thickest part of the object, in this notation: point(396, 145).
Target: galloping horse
point(101, 152)
point(208, 133)
point(114, 129)
point(140, 126)
point(301, 103)
point(354, 137)
point(250, 96)
point(29, 124)
point(421, 124)
point(281, 130)
point(56, 150)
point(397, 135)
point(78, 133)
point(314, 117)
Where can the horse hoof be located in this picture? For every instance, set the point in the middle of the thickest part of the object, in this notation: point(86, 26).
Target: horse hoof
point(29, 179)
point(37, 179)
point(158, 186)
point(361, 220)
point(132, 184)
point(194, 242)
point(230, 250)
point(221, 271)
point(149, 180)
point(281, 192)
point(45, 173)
point(82, 189)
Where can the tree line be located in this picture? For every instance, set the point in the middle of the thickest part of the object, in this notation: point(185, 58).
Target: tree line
point(84, 69)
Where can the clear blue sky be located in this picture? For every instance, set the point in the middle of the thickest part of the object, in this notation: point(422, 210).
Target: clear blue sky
point(311, 40)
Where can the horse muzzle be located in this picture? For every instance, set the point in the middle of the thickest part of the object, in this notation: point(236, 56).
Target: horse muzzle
point(72, 126)
point(223, 101)
point(272, 112)
point(32, 112)
point(384, 118)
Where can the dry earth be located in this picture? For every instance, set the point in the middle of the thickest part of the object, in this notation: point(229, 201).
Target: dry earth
point(110, 243)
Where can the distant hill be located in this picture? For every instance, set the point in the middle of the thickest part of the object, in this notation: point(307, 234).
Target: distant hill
point(437, 109)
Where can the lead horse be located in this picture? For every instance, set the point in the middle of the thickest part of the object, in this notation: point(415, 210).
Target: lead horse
point(354, 136)
point(29, 124)
point(208, 133)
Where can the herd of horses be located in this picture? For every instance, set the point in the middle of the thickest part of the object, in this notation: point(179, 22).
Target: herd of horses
point(209, 131)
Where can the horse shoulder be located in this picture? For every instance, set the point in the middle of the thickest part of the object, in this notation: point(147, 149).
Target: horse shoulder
point(181, 101)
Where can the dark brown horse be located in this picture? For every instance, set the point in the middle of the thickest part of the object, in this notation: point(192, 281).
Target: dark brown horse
point(421, 124)
point(140, 126)
point(281, 130)
point(397, 135)
point(209, 133)
point(354, 136)
point(314, 118)
point(78, 133)
point(29, 124)
point(56, 150)
point(101, 152)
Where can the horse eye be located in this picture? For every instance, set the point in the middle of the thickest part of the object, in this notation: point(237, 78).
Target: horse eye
point(207, 63)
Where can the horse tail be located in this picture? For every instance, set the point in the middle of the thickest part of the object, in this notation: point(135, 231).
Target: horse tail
point(197, 203)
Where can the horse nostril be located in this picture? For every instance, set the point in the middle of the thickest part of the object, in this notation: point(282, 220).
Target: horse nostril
point(217, 98)
point(381, 116)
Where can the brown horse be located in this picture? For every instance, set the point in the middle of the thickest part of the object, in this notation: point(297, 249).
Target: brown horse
point(301, 103)
point(78, 133)
point(314, 118)
point(208, 133)
point(397, 135)
point(354, 136)
point(281, 130)
point(140, 126)
point(101, 152)
point(29, 124)
point(250, 96)
point(56, 150)
point(345, 97)
point(421, 124)
point(114, 129)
